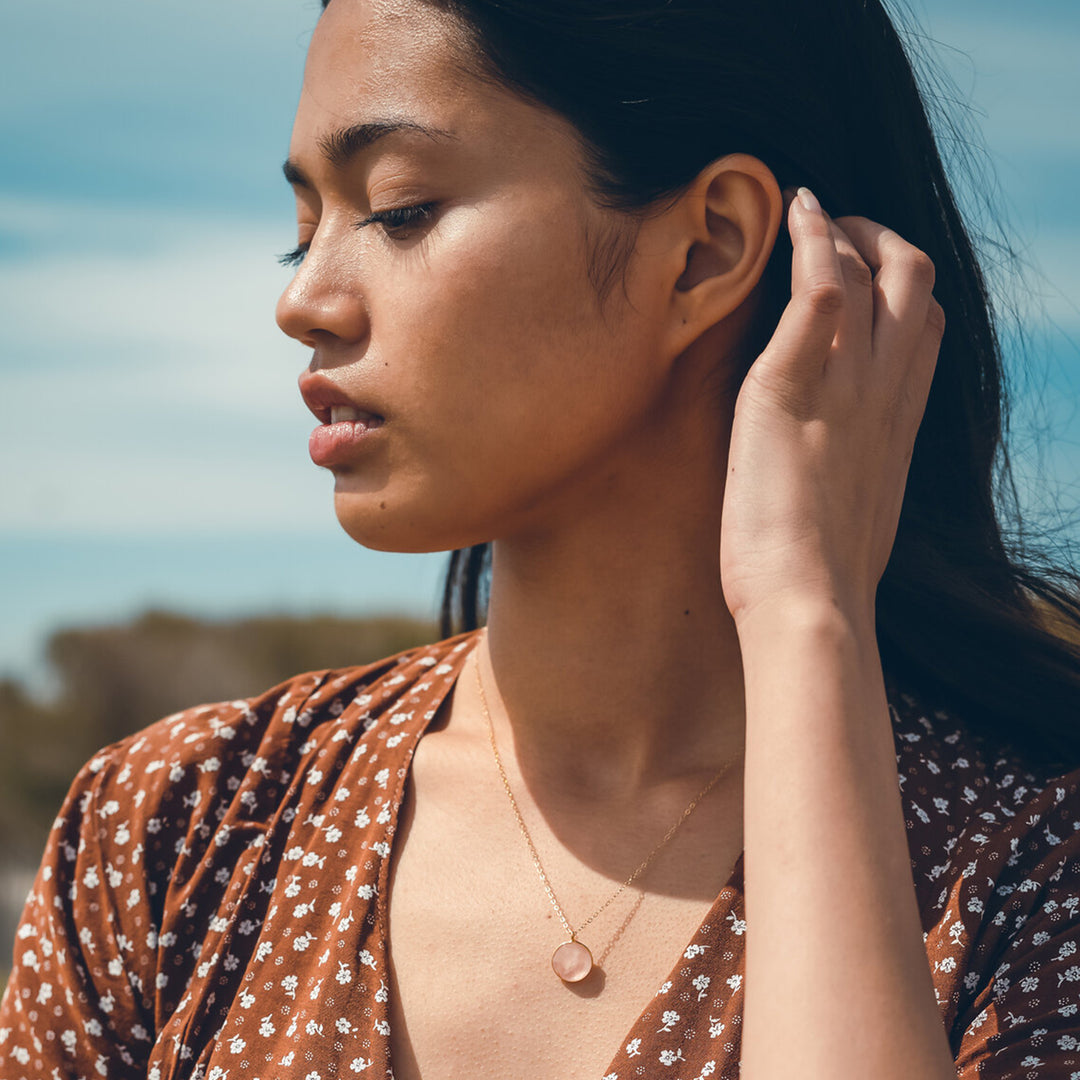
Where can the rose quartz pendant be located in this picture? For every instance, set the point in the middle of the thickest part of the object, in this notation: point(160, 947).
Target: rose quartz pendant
point(571, 961)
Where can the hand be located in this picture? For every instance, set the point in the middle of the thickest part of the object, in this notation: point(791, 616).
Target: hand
point(825, 421)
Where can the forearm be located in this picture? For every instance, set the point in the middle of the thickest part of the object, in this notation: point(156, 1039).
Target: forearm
point(837, 981)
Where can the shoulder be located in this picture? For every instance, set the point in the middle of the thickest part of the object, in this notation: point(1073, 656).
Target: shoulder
point(216, 776)
point(970, 802)
point(269, 730)
point(162, 833)
point(995, 846)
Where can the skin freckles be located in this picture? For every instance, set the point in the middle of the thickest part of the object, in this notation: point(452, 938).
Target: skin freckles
point(582, 432)
point(681, 579)
point(518, 386)
point(688, 529)
point(478, 336)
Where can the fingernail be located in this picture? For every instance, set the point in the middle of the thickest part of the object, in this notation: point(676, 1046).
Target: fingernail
point(809, 200)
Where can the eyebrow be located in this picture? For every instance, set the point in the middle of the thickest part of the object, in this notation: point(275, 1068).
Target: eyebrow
point(341, 146)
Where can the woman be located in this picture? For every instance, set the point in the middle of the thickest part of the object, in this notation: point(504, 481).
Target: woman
point(787, 738)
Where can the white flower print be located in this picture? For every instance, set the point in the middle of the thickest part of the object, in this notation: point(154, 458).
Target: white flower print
point(1070, 975)
point(288, 833)
point(668, 1020)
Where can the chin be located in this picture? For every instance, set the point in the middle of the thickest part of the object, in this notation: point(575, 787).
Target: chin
point(378, 522)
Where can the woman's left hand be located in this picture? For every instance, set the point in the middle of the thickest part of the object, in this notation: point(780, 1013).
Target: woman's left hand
point(825, 421)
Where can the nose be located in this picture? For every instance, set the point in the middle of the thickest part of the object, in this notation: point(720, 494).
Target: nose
point(322, 301)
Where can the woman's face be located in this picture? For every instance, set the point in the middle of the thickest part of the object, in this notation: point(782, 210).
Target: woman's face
point(485, 386)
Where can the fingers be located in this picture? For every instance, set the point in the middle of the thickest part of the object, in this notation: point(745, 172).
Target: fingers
point(854, 336)
point(909, 322)
point(810, 322)
point(904, 282)
point(921, 373)
point(861, 309)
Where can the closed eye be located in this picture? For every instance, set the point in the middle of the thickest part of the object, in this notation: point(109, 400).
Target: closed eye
point(400, 221)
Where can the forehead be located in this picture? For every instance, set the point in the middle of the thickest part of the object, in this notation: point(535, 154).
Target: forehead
point(405, 60)
point(385, 57)
point(370, 44)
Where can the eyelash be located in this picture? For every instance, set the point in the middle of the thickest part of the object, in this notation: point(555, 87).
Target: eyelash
point(399, 220)
point(294, 257)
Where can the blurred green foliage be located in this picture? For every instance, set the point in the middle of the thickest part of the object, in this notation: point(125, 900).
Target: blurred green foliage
point(114, 680)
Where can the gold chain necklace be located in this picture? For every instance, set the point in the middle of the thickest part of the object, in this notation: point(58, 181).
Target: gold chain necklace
point(572, 961)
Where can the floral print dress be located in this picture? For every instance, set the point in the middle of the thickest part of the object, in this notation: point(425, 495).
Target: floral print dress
point(212, 901)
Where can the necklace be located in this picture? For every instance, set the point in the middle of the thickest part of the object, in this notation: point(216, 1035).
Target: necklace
point(572, 961)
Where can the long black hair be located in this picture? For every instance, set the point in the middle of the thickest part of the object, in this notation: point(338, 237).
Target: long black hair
point(824, 93)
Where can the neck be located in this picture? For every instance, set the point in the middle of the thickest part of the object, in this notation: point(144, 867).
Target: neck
point(611, 663)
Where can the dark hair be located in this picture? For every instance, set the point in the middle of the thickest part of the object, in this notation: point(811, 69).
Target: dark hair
point(825, 95)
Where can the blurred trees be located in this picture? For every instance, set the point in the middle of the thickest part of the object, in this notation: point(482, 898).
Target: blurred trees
point(114, 680)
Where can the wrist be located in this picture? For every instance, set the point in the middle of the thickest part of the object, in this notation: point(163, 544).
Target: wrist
point(821, 615)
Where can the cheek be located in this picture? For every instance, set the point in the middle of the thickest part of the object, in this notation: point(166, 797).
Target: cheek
point(509, 379)
point(503, 310)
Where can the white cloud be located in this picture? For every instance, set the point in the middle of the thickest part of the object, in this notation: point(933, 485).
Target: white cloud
point(132, 278)
point(151, 391)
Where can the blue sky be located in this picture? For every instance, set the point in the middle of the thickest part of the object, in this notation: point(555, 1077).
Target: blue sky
point(152, 442)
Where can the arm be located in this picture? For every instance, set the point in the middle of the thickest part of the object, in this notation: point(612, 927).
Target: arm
point(823, 432)
point(835, 955)
point(78, 1001)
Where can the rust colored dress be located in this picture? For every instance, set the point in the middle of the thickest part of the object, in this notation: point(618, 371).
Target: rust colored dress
point(212, 901)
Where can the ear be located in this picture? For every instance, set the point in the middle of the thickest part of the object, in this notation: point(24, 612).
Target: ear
point(724, 227)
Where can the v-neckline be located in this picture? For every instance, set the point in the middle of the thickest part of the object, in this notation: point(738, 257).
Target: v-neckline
point(721, 908)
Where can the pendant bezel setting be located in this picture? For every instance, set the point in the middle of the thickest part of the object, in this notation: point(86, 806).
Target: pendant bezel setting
point(572, 961)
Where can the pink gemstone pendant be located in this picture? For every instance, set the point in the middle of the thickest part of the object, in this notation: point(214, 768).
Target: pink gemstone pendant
point(571, 961)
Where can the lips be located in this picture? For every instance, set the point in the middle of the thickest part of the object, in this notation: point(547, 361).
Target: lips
point(345, 427)
point(322, 396)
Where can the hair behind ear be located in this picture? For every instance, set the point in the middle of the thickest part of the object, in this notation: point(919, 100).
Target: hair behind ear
point(825, 94)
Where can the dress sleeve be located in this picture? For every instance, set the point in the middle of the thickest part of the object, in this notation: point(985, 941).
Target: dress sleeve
point(1024, 1023)
point(78, 1003)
